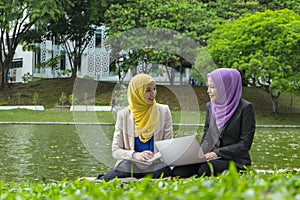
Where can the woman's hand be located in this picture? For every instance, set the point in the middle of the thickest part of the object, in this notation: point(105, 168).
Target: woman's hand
point(211, 155)
point(145, 155)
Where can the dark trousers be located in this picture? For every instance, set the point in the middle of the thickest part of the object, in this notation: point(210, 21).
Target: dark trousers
point(202, 169)
point(128, 169)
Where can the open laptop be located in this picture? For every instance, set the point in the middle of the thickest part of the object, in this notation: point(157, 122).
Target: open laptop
point(181, 151)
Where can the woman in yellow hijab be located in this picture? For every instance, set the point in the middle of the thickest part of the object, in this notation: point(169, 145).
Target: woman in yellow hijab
point(142, 104)
point(137, 127)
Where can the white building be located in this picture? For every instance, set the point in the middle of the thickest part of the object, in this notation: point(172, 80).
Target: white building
point(94, 62)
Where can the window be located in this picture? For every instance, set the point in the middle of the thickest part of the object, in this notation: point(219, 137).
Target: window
point(17, 63)
point(37, 58)
point(63, 60)
point(98, 38)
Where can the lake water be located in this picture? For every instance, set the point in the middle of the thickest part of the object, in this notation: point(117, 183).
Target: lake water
point(60, 151)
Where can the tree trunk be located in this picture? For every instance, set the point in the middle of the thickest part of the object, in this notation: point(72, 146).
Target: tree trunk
point(292, 98)
point(74, 72)
point(75, 67)
point(4, 87)
point(5, 81)
point(171, 74)
point(274, 99)
point(180, 72)
point(1, 78)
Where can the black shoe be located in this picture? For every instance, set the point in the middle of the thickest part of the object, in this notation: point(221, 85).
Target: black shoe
point(99, 178)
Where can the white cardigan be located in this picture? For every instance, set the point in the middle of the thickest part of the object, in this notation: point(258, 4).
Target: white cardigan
point(123, 141)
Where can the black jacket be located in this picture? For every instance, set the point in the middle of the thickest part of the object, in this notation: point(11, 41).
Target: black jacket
point(234, 140)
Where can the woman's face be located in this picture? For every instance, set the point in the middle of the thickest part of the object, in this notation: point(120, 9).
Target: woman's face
point(212, 90)
point(150, 93)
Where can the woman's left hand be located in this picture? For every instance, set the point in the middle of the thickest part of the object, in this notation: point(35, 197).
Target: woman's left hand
point(211, 155)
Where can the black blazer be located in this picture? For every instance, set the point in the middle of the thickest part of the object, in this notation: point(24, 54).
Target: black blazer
point(234, 140)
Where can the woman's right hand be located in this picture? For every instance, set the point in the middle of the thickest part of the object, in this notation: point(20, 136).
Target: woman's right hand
point(145, 155)
point(211, 155)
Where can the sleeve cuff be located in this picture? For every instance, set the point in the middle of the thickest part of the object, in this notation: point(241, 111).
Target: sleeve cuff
point(133, 154)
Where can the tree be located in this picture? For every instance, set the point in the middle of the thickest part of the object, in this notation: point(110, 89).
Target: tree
point(74, 30)
point(233, 9)
point(187, 17)
point(281, 4)
point(18, 19)
point(264, 47)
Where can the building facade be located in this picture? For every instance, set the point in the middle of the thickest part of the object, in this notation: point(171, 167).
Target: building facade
point(95, 62)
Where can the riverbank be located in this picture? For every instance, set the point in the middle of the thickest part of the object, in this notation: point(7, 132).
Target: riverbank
point(111, 124)
point(51, 116)
point(47, 92)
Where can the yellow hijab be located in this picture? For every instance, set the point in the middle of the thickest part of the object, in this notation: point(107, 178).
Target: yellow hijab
point(145, 115)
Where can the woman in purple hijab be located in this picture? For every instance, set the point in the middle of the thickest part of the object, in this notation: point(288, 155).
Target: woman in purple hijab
point(229, 127)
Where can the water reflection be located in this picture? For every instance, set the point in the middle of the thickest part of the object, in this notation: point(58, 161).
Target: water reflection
point(56, 151)
point(276, 148)
point(12, 160)
point(37, 151)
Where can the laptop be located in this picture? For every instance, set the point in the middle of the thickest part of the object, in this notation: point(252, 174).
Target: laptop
point(181, 151)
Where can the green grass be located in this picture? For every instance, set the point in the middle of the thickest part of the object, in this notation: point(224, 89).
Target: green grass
point(229, 185)
point(24, 115)
point(50, 90)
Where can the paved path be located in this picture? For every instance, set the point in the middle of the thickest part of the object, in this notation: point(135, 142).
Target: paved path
point(72, 108)
point(37, 107)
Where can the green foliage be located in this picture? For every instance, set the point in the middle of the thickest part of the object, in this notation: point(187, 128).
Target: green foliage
point(50, 63)
point(3, 103)
point(73, 30)
point(281, 4)
point(19, 98)
point(263, 47)
point(101, 103)
point(229, 185)
point(72, 99)
point(62, 98)
point(27, 77)
point(229, 10)
point(17, 22)
point(191, 18)
point(35, 98)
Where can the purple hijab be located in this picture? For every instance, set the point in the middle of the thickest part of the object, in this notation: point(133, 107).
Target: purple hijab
point(228, 84)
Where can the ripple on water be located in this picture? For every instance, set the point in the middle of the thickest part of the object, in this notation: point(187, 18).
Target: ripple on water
point(33, 152)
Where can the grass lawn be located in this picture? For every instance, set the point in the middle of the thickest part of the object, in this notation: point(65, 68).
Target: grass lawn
point(24, 115)
point(229, 185)
point(49, 91)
